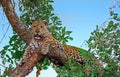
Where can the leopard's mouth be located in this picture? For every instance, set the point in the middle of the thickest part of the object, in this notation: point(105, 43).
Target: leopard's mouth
point(37, 36)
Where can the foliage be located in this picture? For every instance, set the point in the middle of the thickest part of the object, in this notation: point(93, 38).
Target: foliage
point(105, 43)
point(103, 56)
point(33, 10)
point(69, 70)
point(91, 68)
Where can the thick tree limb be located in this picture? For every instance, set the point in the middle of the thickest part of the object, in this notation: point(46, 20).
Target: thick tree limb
point(25, 35)
point(33, 55)
point(15, 22)
point(26, 67)
point(56, 53)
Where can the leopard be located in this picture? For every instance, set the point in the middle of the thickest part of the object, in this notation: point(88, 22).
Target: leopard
point(40, 32)
point(43, 41)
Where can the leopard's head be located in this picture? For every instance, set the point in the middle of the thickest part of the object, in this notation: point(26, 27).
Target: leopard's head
point(39, 29)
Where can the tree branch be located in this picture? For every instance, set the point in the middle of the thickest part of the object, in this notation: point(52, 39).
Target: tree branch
point(27, 64)
point(55, 53)
point(15, 22)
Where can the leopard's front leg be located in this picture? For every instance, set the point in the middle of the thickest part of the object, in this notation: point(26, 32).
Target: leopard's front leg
point(44, 47)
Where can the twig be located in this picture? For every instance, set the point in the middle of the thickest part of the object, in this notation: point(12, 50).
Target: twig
point(2, 65)
point(4, 34)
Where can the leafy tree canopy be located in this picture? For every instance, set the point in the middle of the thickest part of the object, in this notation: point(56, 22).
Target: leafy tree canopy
point(104, 43)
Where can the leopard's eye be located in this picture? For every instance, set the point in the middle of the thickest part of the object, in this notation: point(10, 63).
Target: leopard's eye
point(34, 26)
point(41, 26)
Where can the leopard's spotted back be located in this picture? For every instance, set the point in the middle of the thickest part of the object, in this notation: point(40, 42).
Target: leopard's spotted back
point(73, 53)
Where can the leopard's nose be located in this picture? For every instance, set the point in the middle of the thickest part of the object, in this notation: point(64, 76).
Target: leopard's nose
point(37, 31)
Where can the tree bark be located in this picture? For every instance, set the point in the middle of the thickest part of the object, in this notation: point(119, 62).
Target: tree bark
point(24, 68)
point(15, 22)
point(25, 35)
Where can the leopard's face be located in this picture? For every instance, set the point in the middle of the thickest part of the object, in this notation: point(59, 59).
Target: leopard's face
point(39, 29)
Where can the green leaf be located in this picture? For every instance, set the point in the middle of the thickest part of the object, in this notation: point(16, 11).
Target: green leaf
point(51, 1)
point(68, 32)
point(45, 64)
point(63, 30)
point(82, 51)
point(92, 75)
point(81, 73)
point(118, 33)
point(111, 13)
point(107, 68)
point(87, 64)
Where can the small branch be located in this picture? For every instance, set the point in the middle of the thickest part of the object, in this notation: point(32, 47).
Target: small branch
point(2, 65)
point(4, 34)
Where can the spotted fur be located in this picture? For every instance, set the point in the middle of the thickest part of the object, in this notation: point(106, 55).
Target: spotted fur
point(72, 52)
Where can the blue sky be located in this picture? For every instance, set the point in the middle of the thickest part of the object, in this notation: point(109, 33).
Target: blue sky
point(79, 16)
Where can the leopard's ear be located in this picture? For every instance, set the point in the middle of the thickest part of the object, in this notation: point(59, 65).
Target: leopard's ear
point(45, 22)
point(31, 21)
